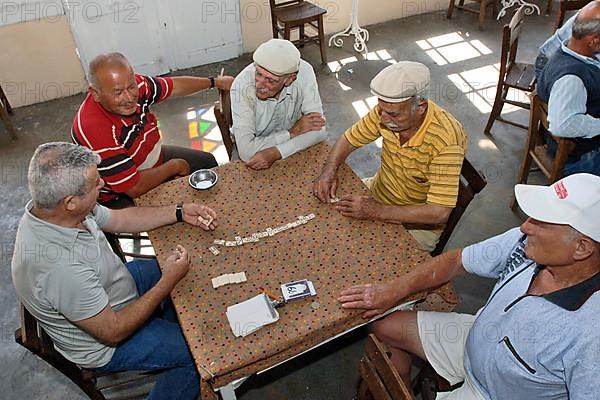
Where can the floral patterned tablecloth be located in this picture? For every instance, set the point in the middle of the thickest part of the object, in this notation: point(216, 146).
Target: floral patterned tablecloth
point(332, 251)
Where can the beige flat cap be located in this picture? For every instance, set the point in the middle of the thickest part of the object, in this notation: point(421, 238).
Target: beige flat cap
point(278, 56)
point(401, 81)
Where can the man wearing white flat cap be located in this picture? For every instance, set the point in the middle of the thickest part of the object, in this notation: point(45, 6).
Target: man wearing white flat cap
point(421, 157)
point(276, 106)
point(537, 336)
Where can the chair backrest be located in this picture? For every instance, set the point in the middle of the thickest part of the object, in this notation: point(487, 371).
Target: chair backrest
point(31, 336)
point(510, 40)
point(471, 183)
point(121, 385)
point(277, 4)
point(225, 120)
point(551, 167)
point(380, 380)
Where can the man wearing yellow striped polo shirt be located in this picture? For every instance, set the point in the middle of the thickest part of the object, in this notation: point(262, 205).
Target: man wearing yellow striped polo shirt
point(422, 154)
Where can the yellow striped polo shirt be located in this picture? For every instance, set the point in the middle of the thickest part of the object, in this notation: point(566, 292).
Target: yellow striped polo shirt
point(426, 169)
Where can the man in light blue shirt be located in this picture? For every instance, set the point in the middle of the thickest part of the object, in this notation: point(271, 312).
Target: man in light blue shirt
point(537, 336)
point(570, 84)
point(276, 106)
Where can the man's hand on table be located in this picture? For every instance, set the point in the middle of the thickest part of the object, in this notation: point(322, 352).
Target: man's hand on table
point(176, 266)
point(179, 167)
point(307, 123)
point(376, 298)
point(325, 187)
point(191, 212)
point(357, 206)
point(264, 159)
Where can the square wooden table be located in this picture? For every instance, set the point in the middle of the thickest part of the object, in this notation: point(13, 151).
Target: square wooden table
point(332, 251)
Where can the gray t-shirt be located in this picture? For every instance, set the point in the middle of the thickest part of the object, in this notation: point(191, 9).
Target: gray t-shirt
point(68, 274)
point(531, 347)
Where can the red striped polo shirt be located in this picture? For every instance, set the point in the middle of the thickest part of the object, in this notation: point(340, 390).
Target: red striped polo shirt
point(123, 146)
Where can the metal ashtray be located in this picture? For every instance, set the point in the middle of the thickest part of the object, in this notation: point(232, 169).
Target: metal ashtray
point(203, 179)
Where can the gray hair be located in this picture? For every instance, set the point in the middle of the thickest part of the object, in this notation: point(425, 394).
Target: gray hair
point(110, 59)
point(416, 100)
point(586, 26)
point(58, 170)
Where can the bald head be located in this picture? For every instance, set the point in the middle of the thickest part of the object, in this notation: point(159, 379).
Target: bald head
point(107, 61)
point(113, 84)
point(587, 21)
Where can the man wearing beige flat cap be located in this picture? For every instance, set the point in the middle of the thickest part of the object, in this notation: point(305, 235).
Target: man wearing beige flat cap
point(421, 157)
point(276, 106)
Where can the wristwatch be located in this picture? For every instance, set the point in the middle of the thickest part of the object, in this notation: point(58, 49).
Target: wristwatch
point(212, 81)
point(179, 212)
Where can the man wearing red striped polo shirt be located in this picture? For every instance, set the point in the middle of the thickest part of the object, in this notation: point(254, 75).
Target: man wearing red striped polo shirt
point(116, 123)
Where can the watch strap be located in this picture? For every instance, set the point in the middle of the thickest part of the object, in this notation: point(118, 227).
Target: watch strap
point(179, 212)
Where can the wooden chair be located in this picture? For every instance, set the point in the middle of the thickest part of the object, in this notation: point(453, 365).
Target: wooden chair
point(138, 241)
point(483, 4)
point(225, 121)
point(298, 14)
point(379, 378)
point(5, 112)
point(520, 76)
point(564, 6)
point(471, 183)
point(96, 385)
point(536, 150)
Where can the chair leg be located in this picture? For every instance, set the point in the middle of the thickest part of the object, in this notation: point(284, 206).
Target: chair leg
point(363, 391)
point(286, 31)
point(525, 166)
point(7, 122)
point(450, 9)
point(301, 35)
point(482, 9)
point(549, 7)
point(274, 26)
point(496, 108)
point(560, 159)
point(4, 100)
point(322, 41)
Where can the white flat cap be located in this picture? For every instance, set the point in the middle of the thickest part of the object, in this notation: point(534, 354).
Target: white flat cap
point(278, 56)
point(400, 81)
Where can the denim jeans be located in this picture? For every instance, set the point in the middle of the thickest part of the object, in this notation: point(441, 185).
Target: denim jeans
point(588, 162)
point(158, 344)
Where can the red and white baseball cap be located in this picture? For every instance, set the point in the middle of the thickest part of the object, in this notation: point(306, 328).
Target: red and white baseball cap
point(574, 201)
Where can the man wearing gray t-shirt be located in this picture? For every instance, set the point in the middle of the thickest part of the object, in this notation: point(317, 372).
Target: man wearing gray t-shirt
point(99, 312)
point(537, 335)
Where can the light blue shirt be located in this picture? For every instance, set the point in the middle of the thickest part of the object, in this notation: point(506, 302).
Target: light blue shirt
point(527, 346)
point(552, 44)
point(261, 124)
point(567, 104)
